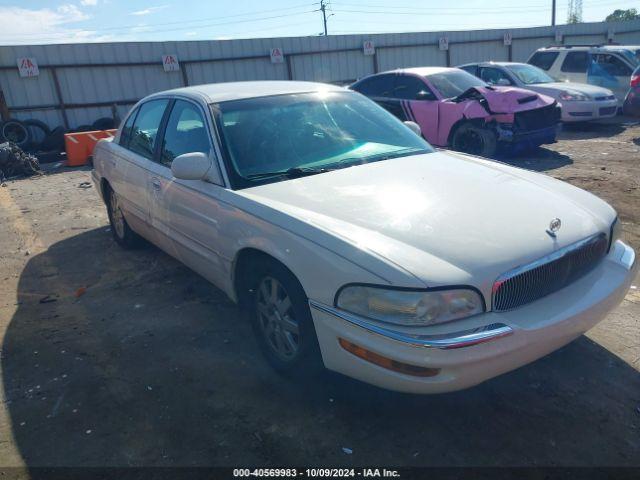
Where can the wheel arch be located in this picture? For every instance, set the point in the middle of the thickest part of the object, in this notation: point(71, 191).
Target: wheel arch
point(105, 187)
point(477, 122)
point(241, 278)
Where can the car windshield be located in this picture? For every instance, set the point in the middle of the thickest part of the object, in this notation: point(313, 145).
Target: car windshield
point(453, 82)
point(273, 138)
point(529, 75)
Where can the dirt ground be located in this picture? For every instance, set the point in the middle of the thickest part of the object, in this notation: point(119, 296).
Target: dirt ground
point(120, 358)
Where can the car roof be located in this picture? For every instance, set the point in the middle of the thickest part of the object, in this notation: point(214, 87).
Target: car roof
point(489, 63)
point(581, 48)
point(424, 71)
point(222, 92)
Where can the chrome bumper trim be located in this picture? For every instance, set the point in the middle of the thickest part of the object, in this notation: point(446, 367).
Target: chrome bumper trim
point(448, 341)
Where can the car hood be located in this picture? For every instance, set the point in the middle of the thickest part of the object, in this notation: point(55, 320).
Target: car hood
point(444, 217)
point(501, 100)
point(555, 88)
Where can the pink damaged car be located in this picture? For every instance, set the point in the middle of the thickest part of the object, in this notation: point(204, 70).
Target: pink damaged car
point(454, 109)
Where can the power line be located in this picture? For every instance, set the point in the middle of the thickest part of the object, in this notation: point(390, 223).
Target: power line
point(413, 8)
point(245, 32)
point(127, 27)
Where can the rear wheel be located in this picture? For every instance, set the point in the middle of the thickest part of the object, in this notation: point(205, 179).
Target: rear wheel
point(475, 140)
point(120, 229)
point(282, 322)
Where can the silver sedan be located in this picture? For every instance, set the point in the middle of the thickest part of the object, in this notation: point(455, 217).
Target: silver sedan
point(579, 101)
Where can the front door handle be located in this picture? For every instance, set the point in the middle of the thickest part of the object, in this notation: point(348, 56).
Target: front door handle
point(156, 184)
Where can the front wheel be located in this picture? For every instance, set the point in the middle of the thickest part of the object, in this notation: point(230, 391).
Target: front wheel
point(469, 138)
point(282, 322)
point(120, 229)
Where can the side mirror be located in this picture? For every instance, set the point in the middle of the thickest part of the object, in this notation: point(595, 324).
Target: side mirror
point(415, 128)
point(191, 166)
point(424, 95)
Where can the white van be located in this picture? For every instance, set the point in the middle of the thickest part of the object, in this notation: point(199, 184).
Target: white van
point(607, 66)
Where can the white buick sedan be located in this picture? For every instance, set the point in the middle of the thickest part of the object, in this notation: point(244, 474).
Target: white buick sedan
point(355, 245)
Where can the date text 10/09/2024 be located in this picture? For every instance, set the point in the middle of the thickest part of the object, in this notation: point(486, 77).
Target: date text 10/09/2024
point(315, 472)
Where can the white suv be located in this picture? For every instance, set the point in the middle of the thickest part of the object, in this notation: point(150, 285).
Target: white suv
point(606, 66)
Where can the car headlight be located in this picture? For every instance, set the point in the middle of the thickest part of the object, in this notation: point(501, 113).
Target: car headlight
point(410, 307)
point(573, 96)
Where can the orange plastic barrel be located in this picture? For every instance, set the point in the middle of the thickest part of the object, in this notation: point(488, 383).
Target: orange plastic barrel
point(79, 146)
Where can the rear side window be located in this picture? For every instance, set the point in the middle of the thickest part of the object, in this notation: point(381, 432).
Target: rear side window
point(186, 132)
point(125, 135)
point(146, 126)
point(576, 62)
point(376, 86)
point(543, 60)
point(472, 69)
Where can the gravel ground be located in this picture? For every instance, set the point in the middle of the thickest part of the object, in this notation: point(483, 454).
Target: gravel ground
point(121, 358)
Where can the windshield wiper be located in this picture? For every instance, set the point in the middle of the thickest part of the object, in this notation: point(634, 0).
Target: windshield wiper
point(405, 152)
point(295, 172)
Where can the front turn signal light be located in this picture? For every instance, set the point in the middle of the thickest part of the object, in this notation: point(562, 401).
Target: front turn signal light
point(387, 363)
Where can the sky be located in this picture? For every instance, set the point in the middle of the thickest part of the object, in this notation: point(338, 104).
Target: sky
point(66, 21)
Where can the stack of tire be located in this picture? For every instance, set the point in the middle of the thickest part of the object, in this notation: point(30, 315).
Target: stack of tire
point(35, 136)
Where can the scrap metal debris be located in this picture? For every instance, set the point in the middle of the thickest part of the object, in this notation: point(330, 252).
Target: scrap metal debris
point(14, 162)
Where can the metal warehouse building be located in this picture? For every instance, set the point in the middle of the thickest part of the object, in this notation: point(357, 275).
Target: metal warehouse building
point(78, 83)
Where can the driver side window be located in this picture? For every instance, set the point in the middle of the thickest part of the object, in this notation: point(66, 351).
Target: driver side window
point(612, 65)
point(494, 76)
point(186, 132)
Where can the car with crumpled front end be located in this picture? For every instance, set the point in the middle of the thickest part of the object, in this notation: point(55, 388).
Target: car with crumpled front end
point(354, 245)
point(579, 101)
point(454, 109)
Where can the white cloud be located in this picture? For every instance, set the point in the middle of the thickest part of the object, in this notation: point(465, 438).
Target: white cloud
point(45, 25)
point(190, 34)
point(88, 3)
point(149, 10)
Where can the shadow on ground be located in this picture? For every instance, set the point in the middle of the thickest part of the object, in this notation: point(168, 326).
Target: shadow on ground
point(539, 160)
point(590, 130)
point(153, 366)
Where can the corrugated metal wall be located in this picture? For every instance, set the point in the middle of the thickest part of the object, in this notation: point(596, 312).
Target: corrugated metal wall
point(88, 79)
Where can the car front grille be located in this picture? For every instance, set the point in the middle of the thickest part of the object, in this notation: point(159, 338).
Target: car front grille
point(608, 110)
point(538, 118)
point(530, 282)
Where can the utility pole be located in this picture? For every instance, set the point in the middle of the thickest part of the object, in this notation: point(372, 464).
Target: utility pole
point(323, 8)
point(553, 13)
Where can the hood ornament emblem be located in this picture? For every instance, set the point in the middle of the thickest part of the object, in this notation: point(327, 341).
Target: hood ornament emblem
point(554, 226)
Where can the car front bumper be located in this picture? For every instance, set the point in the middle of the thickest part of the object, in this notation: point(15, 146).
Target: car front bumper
point(470, 351)
point(589, 110)
point(514, 141)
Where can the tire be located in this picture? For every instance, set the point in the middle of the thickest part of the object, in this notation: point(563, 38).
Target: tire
point(122, 233)
point(54, 141)
point(284, 329)
point(15, 131)
point(38, 130)
point(104, 123)
point(469, 138)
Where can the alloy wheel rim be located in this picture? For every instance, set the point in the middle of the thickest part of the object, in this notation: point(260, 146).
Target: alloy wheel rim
point(277, 320)
point(117, 218)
